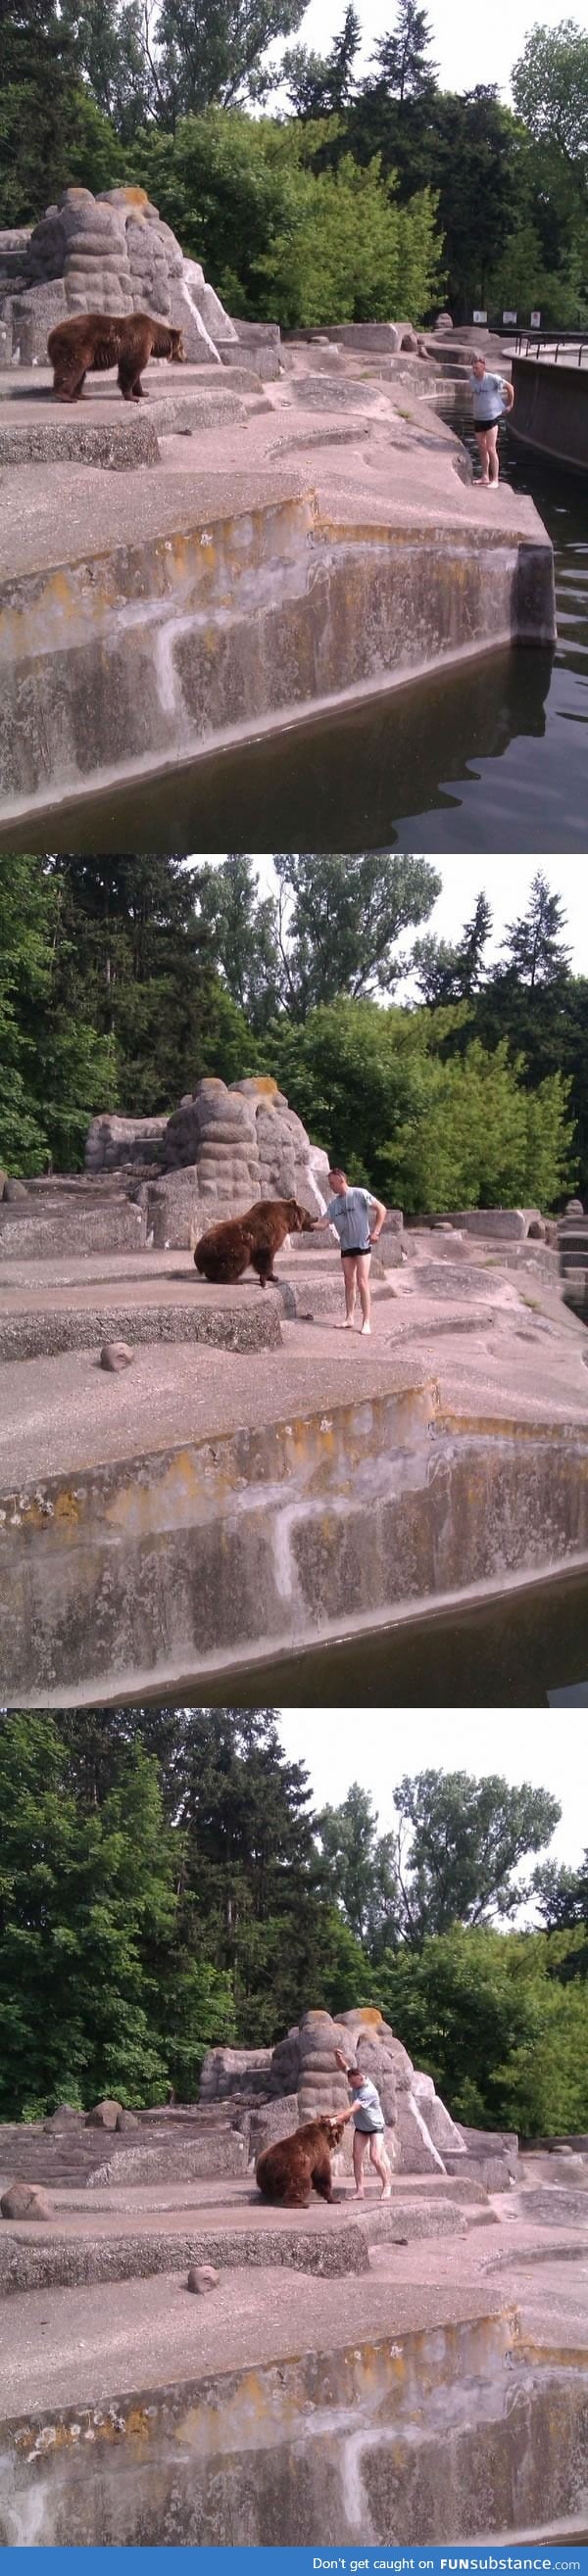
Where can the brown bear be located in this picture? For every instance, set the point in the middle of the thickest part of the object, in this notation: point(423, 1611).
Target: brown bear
point(250, 1241)
point(295, 2166)
point(96, 341)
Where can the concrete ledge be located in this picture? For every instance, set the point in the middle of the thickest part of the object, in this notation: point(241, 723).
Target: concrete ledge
point(261, 1541)
point(357, 2441)
point(49, 1331)
point(50, 2260)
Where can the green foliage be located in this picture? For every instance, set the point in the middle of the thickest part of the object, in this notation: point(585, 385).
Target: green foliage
point(550, 87)
point(320, 85)
point(427, 1133)
point(88, 1911)
point(333, 927)
point(479, 2011)
point(164, 1887)
point(53, 1070)
point(403, 58)
point(246, 198)
point(376, 258)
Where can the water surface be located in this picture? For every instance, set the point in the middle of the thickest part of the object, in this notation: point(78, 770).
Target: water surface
point(520, 1650)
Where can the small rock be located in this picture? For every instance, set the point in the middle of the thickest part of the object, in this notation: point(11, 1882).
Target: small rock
point(25, 2200)
point(104, 2115)
point(127, 2120)
point(116, 1355)
point(14, 1190)
point(202, 2277)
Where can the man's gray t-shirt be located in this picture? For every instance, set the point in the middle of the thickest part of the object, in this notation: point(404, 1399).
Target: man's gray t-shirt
point(367, 2108)
point(349, 1213)
point(488, 397)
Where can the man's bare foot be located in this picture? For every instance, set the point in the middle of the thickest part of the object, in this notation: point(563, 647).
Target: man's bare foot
point(359, 2193)
point(347, 1327)
point(366, 1328)
point(387, 2191)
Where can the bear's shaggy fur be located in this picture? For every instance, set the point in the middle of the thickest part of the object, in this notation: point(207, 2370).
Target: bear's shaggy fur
point(250, 1241)
point(96, 341)
point(295, 2166)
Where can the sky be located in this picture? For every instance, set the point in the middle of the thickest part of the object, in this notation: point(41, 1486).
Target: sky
point(469, 45)
point(507, 882)
point(377, 1746)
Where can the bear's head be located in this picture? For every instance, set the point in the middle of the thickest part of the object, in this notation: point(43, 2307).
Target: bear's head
point(177, 351)
point(334, 2131)
point(299, 1221)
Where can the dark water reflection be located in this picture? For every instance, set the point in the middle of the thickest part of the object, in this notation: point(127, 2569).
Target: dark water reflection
point(514, 1652)
point(488, 757)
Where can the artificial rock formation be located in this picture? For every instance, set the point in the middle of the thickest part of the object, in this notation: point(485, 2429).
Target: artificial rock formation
point(226, 1146)
point(301, 2074)
point(110, 254)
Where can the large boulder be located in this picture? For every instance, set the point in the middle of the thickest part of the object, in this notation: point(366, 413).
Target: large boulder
point(104, 2114)
point(25, 2200)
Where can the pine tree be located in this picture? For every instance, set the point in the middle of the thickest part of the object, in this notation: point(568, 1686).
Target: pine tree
point(402, 57)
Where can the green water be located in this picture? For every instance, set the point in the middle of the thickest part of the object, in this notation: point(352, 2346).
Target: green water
point(512, 1652)
point(489, 756)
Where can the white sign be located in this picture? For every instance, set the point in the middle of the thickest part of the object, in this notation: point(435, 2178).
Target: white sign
point(509, 317)
point(480, 317)
point(535, 321)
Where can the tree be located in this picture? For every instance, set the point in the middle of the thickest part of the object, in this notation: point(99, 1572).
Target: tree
point(320, 85)
point(242, 929)
point(402, 58)
point(130, 945)
point(534, 949)
point(357, 1863)
point(448, 973)
point(211, 53)
point(51, 132)
point(478, 2011)
point(458, 1843)
point(550, 87)
point(95, 1995)
point(562, 1895)
point(340, 919)
point(54, 1068)
point(109, 41)
point(374, 1089)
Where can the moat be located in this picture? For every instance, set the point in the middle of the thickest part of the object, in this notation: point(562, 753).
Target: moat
point(490, 755)
point(522, 1649)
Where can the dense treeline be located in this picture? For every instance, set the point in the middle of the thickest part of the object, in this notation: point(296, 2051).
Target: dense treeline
point(123, 981)
point(420, 195)
point(165, 1886)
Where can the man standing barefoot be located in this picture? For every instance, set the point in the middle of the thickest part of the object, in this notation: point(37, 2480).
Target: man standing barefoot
point(368, 2127)
point(349, 1211)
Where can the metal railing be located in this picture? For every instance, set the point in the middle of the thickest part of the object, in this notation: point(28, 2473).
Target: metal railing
point(529, 344)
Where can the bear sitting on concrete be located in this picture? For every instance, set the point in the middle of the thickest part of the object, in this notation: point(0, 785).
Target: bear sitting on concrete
point(250, 1241)
point(97, 341)
point(290, 2170)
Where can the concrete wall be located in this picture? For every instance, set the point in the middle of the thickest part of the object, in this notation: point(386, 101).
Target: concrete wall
point(197, 637)
point(403, 2439)
point(274, 1539)
point(551, 410)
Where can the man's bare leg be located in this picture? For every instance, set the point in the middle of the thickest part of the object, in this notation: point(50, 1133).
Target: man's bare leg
point(483, 454)
point(360, 2141)
point(349, 1268)
point(379, 2158)
point(363, 1281)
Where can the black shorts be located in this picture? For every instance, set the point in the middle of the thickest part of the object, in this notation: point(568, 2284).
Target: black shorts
point(356, 1252)
point(487, 424)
